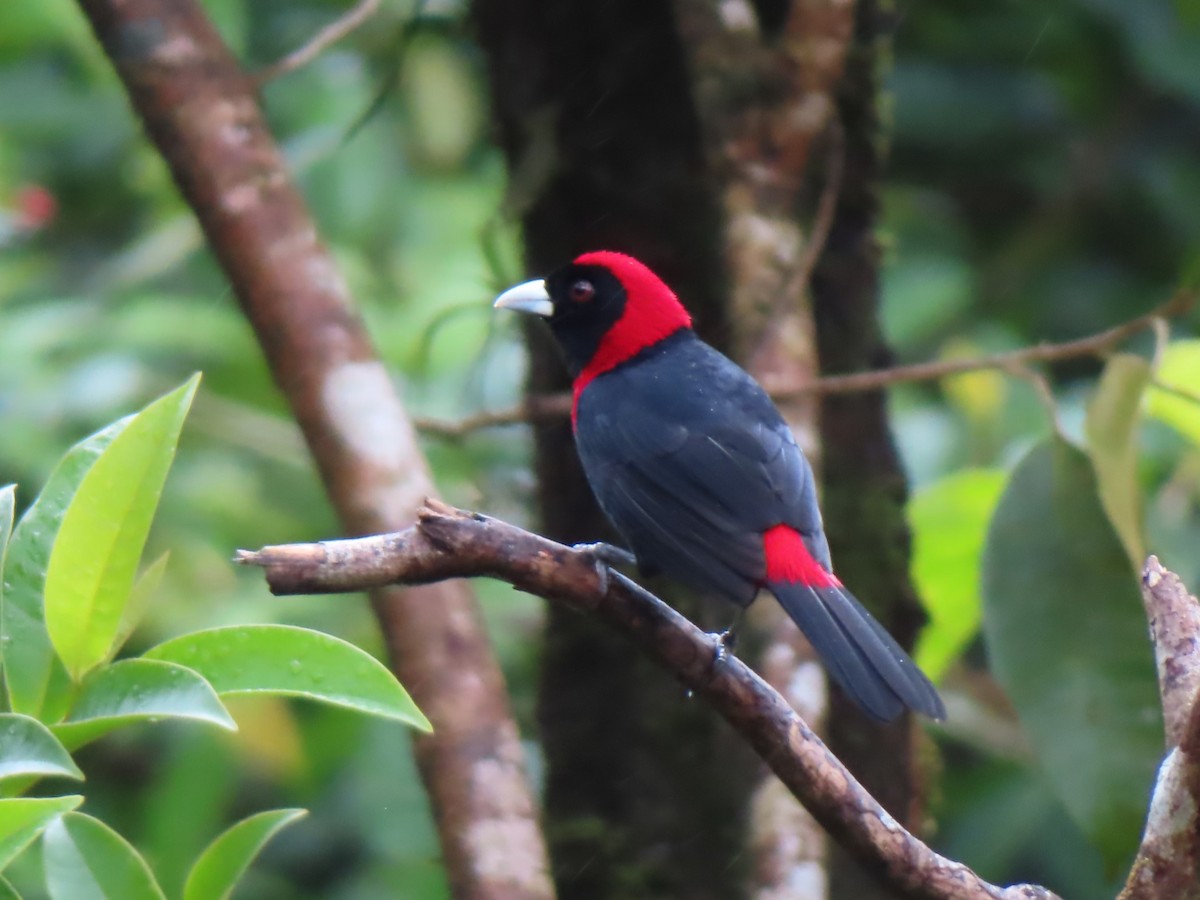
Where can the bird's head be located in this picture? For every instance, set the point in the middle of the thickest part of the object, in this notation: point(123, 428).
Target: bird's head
point(603, 308)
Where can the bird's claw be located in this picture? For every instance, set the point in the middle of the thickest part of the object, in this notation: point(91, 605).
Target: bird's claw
point(726, 643)
point(605, 555)
point(609, 554)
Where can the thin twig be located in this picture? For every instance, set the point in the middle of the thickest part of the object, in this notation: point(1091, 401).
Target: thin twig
point(535, 411)
point(1093, 345)
point(552, 407)
point(452, 543)
point(1176, 391)
point(319, 42)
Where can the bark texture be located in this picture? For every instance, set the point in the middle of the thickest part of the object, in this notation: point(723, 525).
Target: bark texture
point(865, 488)
point(645, 794)
point(764, 93)
point(1167, 865)
point(198, 106)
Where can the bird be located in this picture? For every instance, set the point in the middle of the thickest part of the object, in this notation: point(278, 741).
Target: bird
point(697, 470)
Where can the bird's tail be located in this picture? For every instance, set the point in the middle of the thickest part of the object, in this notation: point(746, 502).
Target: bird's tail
point(859, 654)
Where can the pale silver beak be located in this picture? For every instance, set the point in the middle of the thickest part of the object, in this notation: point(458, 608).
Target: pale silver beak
point(529, 297)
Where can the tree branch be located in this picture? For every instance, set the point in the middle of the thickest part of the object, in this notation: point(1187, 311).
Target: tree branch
point(452, 543)
point(551, 407)
point(198, 107)
point(1167, 865)
point(319, 42)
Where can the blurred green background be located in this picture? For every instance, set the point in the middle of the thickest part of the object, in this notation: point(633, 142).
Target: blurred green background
point(1044, 183)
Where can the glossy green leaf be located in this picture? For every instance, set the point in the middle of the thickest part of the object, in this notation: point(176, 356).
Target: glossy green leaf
point(27, 747)
point(84, 859)
point(1068, 640)
point(198, 771)
point(282, 659)
point(95, 556)
point(137, 690)
point(23, 818)
point(1112, 421)
point(7, 891)
point(37, 682)
point(949, 522)
point(1180, 368)
point(226, 859)
point(139, 601)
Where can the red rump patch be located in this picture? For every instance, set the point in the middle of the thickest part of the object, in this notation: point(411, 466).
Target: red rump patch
point(652, 312)
point(788, 559)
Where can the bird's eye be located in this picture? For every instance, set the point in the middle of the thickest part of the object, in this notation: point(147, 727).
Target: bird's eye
point(582, 291)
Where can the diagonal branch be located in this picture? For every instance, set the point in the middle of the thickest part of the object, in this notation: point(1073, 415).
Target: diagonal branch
point(452, 543)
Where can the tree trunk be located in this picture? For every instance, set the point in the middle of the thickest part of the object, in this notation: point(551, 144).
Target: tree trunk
point(198, 106)
point(864, 483)
point(690, 156)
point(645, 791)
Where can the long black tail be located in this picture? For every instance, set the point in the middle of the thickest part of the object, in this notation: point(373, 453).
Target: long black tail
point(859, 654)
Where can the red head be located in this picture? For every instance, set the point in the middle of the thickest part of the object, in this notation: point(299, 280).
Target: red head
point(604, 308)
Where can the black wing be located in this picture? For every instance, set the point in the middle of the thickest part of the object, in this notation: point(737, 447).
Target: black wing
point(691, 461)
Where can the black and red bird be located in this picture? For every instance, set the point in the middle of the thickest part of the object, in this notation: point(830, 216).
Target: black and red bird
point(696, 468)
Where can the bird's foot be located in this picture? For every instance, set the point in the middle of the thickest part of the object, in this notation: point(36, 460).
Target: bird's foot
point(726, 642)
point(609, 554)
point(727, 639)
point(605, 556)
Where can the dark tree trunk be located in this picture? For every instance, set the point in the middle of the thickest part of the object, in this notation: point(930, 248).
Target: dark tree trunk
point(645, 791)
point(645, 794)
point(865, 487)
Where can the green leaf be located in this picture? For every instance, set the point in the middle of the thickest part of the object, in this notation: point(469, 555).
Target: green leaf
point(27, 747)
point(137, 690)
point(139, 601)
point(1068, 641)
point(1111, 427)
point(226, 859)
point(95, 556)
point(7, 891)
point(298, 662)
point(1180, 368)
point(196, 769)
point(37, 682)
point(23, 818)
point(86, 860)
point(949, 521)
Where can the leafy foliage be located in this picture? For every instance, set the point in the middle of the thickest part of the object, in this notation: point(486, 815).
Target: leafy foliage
point(71, 566)
point(1067, 638)
point(278, 659)
point(1112, 419)
point(22, 819)
point(91, 570)
point(226, 858)
point(85, 858)
point(949, 521)
point(27, 747)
